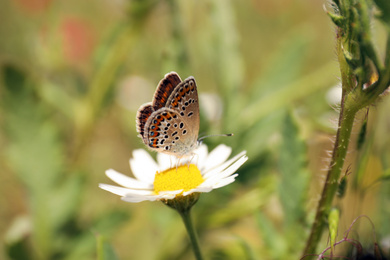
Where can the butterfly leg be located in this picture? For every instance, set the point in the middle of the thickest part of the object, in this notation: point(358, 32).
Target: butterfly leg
point(177, 162)
point(190, 160)
point(197, 157)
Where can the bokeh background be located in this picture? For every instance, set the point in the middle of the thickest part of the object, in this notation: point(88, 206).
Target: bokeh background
point(73, 74)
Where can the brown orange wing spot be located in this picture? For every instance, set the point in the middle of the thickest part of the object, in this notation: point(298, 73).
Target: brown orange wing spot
point(164, 89)
point(142, 116)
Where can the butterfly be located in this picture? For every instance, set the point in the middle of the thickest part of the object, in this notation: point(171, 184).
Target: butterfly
point(170, 123)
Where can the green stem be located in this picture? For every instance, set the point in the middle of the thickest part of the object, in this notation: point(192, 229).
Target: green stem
point(186, 216)
point(354, 98)
point(346, 120)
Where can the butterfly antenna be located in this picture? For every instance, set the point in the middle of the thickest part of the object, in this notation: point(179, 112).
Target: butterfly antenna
point(203, 137)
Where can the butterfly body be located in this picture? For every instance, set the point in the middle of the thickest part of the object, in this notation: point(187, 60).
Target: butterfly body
point(170, 123)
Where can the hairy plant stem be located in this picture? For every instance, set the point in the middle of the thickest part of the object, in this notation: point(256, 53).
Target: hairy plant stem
point(340, 149)
point(354, 98)
point(186, 216)
point(348, 111)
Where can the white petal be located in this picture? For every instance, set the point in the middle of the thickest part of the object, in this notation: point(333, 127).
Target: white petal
point(230, 170)
point(113, 189)
point(198, 189)
point(225, 181)
point(143, 166)
point(124, 191)
point(200, 156)
point(164, 161)
point(127, 181)
point(214, 182)
point(135, 199)
point(170, 192)
point(223, 166)
point(217, 156)
point(167, 196)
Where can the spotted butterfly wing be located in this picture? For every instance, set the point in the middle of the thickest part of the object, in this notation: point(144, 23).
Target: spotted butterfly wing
point(170, 124)
point(164, 89)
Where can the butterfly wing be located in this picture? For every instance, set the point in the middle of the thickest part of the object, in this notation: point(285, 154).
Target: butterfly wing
point(143, 114)
point(184, 100)
point(170, 124)
point(165, 132)
point(164, 89)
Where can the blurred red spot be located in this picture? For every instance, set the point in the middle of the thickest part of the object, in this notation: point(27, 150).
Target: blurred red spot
point(78, 39)
point(33, 6)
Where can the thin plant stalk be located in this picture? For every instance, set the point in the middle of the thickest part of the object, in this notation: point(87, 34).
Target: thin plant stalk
point(186, 216)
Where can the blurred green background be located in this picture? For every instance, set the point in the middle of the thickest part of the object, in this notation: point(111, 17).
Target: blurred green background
point(73, 74)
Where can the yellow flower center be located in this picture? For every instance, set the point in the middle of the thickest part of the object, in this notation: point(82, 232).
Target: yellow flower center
point(184, 177)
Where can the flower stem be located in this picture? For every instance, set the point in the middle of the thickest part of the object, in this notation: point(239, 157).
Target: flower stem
point(186, 216)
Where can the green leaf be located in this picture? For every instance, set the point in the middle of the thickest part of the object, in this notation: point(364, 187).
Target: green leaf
point(65, 200)
point(14, 79)
point(246, 204)
point(294, 177)
point(248, 250)
point(81, 245)
point(34, 152)
point(256, 138)
point(18, 250)
point(104, 249)
point(362, 135)
point(342, 187)
point(336, 19)
point(334, 217)
point(273, 241)
point(229, 61)
point(384, 7)
point(284, 67)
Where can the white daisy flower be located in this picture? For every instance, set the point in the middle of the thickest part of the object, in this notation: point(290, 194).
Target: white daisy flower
point(162, 180)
